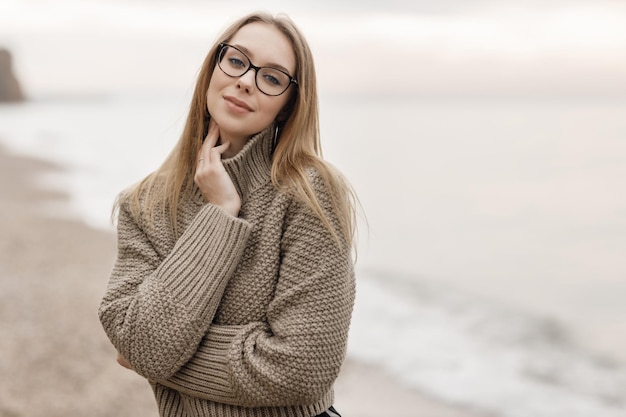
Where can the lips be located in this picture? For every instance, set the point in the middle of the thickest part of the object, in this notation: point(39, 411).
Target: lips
point(237, 103)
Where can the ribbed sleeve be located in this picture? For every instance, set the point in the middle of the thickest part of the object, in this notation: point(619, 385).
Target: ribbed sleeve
point(204, 256)
point(156, 311)
point(294, 358)
point(208, 371)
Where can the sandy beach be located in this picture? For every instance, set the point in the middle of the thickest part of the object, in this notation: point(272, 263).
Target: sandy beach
point(57, 361)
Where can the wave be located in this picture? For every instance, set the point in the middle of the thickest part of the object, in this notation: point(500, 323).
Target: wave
point(479, 353)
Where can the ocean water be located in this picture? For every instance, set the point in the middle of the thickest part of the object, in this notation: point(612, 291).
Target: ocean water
point(491, 272)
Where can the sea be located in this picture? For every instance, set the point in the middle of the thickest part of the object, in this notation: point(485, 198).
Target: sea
point(491, 266)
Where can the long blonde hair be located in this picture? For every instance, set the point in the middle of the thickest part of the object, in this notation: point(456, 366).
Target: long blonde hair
point(297, 150)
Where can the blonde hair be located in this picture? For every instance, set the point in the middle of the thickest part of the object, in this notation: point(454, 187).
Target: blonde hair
point(297, 150)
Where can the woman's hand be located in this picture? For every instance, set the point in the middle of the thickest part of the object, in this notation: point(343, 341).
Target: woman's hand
point(123, 362)
point(211, 177)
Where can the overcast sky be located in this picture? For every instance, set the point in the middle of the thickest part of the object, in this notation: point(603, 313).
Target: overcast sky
point(452, 47)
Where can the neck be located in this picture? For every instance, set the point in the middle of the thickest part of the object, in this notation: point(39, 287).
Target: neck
point(236, 145)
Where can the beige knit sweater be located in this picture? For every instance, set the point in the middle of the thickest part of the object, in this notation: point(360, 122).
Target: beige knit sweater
point(242, 316)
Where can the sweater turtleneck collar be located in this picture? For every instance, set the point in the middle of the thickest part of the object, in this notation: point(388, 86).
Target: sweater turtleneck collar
point(251, 166)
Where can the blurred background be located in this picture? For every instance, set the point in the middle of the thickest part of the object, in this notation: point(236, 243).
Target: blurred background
point(486, 140)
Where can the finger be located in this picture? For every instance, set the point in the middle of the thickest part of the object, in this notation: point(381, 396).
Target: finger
point(212, 135)
point(222, 147)
point(217, 151)
point(209, 143)
point(122, 361)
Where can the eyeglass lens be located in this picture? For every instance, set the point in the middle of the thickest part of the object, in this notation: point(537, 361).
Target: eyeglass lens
point(269, 80)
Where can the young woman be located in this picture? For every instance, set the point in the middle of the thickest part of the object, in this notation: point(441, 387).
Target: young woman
point(233, 287)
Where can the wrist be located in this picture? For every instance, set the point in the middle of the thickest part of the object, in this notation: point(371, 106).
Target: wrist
point(231, 209)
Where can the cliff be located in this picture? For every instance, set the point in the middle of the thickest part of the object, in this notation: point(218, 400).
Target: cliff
point(10, 89)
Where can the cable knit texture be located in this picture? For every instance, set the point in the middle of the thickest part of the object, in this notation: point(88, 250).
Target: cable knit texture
point(242, 316)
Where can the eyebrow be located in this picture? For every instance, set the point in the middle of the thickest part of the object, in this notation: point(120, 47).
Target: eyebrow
point(269, 64)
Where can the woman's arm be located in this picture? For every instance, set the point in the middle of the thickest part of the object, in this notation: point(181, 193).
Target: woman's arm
point(156, 311)
point(294, 358)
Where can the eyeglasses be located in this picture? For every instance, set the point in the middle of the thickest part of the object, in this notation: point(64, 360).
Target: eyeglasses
point(270, 81)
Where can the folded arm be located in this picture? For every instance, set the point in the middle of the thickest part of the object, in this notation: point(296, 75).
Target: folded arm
point(156, 311)
point(294, 357)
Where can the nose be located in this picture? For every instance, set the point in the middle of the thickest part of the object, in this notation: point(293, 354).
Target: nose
point(247, 80)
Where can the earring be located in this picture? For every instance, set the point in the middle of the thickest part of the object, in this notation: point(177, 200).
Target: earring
point(275, 139)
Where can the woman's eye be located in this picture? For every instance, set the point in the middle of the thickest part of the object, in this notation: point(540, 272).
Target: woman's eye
point(272, 79)
point(236, 62)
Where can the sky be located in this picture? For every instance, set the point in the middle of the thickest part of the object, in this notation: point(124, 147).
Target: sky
point(418, 47)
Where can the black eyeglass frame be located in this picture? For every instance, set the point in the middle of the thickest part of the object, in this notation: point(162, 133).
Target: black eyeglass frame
point(256, 69)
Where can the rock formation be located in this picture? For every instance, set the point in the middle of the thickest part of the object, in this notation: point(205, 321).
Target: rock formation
point(9, 86)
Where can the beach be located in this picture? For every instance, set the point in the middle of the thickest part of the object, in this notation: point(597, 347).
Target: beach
point(56, 359)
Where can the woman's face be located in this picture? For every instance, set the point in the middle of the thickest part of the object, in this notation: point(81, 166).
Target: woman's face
point(236, 104)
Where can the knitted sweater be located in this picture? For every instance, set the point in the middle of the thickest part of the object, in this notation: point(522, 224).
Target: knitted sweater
point(243, 316)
